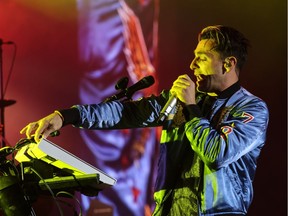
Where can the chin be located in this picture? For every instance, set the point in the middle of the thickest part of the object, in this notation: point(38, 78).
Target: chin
point(199, 89)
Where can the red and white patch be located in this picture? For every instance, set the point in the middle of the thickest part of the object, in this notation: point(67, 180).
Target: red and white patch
point(226, 130)
point(248, 117)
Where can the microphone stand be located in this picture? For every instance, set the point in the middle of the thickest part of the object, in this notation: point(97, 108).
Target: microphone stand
point(1, 98)
point(120, 85)
point(3, 102)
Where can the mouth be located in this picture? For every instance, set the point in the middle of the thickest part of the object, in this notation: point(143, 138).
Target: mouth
point(202, 83)
point(199, 78)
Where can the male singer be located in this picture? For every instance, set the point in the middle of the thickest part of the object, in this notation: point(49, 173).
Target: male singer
point(211, 138)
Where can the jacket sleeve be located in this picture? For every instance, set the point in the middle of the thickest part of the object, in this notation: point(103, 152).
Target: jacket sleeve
point(240, 131)
point(121, 115)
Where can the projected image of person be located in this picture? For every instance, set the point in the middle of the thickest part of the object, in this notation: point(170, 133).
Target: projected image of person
point(211, 137)
point(113, 45)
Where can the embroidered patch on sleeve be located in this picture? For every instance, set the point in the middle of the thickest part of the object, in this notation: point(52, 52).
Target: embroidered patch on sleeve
point(248, 117)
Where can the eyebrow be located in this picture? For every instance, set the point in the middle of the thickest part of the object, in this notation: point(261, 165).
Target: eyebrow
point(207, 52)
point(199, 52)
point(202, 53)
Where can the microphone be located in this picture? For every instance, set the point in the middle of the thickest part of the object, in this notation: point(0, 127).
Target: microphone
point(166, 110)
point(128, 92)
point(122, 83)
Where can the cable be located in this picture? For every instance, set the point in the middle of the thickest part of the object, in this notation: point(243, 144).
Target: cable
point(73, 197)
point(32, 213)
point(50, 190)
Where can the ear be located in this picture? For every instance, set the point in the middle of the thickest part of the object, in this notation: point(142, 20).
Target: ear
point(229, 63)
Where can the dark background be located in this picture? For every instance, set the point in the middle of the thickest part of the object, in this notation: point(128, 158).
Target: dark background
point(45, 74)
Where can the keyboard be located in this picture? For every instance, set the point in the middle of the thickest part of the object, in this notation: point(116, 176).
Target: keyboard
point(56, 156)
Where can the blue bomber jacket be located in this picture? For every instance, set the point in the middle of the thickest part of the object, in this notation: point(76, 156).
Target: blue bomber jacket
point(208, 151)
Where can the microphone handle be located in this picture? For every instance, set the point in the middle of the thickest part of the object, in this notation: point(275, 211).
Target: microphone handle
point(171, 103)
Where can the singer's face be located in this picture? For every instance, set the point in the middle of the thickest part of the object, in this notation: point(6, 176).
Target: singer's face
point(207, 67)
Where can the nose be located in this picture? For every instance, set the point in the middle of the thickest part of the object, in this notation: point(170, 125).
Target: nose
point(194, 65)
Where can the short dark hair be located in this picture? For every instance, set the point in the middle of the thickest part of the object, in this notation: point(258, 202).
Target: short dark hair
point(229, 42)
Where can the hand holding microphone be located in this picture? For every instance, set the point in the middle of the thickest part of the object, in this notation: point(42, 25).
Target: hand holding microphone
point(183, 89)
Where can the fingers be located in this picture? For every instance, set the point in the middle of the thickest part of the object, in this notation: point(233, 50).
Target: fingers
point(43, 127)
point(184, 89)
point(38, 127)
point(29, 129)
point(182, 83)
point(183, 80)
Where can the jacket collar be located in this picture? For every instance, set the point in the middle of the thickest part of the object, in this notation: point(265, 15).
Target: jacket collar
point(229, 91)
